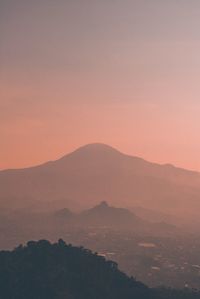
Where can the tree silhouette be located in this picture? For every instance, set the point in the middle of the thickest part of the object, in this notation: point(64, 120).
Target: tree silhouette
point(41, 270)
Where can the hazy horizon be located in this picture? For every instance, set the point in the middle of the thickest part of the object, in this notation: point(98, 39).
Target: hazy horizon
point(124, 73)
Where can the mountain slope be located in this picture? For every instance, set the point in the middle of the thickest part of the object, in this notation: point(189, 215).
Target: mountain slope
point(97, 171)
point(103, 214)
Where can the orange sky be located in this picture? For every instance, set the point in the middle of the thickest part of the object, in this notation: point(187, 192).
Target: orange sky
point(116, 72)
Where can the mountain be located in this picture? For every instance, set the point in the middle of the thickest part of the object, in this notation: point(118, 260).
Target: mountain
point(101, 215)
point(97, 171)
point(57, 271)
point(106, 216)
point(20, 226)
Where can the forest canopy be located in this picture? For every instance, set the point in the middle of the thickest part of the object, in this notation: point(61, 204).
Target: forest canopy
point(41, 270)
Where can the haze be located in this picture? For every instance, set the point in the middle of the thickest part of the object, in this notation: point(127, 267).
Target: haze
point(125, 73)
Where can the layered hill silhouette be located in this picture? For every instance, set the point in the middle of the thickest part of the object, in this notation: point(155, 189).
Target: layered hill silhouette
point(97, 171)
point(20, 226)
point(105, 216)
point(57, 271)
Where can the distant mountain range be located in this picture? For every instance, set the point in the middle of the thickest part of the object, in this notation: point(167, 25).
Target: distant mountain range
point(96, 172)
point(106, 216)
point(21, 225)
point(101, 215)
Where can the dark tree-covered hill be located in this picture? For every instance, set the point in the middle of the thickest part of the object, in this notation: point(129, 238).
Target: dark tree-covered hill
point(41, 270)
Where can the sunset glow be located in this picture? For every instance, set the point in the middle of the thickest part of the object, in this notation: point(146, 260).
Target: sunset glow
point(122, 73)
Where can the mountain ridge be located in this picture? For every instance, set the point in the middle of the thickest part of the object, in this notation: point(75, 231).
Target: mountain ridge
point(97, 146)
point(97, 171)
point(111, 217)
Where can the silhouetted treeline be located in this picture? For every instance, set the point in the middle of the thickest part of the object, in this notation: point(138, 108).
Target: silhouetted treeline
point(41, 270)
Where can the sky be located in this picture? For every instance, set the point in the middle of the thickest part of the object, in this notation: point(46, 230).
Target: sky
point(122, 72)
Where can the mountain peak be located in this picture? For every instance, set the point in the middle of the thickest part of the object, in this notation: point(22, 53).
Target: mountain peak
point(96, 151)
point(103, 205)
point(96, 147)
